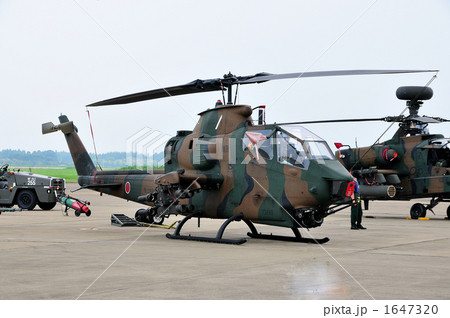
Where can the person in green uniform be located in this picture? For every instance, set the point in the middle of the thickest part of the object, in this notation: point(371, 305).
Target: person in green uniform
point(356, 210)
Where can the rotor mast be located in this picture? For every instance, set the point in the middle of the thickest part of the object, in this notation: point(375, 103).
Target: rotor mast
point(228, 81)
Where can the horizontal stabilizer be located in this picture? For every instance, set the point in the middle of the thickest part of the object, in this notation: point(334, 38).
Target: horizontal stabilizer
point(66, 128)
point(48, 128)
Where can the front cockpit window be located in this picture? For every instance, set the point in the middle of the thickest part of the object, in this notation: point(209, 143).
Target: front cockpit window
point(319, 150)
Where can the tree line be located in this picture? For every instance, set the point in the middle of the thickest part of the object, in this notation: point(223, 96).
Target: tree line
point(50, 158)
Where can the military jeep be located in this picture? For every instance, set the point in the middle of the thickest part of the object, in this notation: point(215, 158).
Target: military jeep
point(27, 189)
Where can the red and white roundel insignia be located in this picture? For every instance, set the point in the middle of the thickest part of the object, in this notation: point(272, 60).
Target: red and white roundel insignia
point(127, 188)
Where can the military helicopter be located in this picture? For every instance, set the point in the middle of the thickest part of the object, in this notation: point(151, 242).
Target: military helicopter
point(412, 164)
point(229, 167)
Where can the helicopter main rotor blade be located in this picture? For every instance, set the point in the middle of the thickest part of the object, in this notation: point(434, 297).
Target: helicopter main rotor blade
point(197, 86)
point(218, 84)
point(331, 121)
point(421, 119)
point(429, 120)
point(267, 77)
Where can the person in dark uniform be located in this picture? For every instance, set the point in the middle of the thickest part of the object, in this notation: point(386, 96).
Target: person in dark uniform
point(356, 210)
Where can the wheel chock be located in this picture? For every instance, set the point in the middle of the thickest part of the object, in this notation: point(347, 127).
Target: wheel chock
point(409, 218)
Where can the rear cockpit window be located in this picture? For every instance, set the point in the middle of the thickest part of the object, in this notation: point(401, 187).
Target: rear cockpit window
point(258, 143)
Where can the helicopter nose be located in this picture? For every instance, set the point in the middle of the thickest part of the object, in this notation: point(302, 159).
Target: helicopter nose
point(341, 183)
point(334, 170)
point(341, 189)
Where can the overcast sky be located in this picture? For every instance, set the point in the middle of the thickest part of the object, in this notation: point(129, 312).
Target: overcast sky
point(58, 56)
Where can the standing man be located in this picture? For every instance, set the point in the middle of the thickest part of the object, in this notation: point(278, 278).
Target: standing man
point(356, 210)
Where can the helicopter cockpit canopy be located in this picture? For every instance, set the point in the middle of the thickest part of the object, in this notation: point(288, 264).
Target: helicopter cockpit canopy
point(295, 145)
point(307, 144)
point(441, 143)
point(438, 152)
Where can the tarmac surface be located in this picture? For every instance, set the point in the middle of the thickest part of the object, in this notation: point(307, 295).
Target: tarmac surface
point(47, 255)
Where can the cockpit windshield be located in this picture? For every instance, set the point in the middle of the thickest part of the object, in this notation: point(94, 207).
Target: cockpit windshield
point(441, 143)
point(295, 146)
point(439, 152)
point(298, 145)
point(302, 133)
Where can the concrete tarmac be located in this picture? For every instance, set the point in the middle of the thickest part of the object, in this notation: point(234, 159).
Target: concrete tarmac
point(47, 255)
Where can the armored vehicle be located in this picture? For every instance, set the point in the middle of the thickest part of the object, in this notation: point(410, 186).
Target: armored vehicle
point(27, 189)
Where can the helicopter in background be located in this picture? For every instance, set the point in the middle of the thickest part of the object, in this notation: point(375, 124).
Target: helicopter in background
point(412, 164)
point(229, 167)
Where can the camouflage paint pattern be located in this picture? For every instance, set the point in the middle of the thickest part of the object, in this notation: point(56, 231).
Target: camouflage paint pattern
point(222, 177)
point(422, 165)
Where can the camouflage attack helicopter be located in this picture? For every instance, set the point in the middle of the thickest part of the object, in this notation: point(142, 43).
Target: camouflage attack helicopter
point(412, 164)
point(228, 167)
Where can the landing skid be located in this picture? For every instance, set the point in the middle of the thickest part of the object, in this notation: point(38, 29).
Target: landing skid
point(218, 239)
point(253, 234)
point(298, 237)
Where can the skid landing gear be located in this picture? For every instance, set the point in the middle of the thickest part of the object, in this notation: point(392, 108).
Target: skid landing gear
point(253, 234)
point(298, 237)
point(218, 239)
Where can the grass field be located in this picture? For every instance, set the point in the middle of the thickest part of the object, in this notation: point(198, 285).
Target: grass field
point(68, 173)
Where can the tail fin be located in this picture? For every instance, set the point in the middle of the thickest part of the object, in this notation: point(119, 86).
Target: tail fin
point(81, 159)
